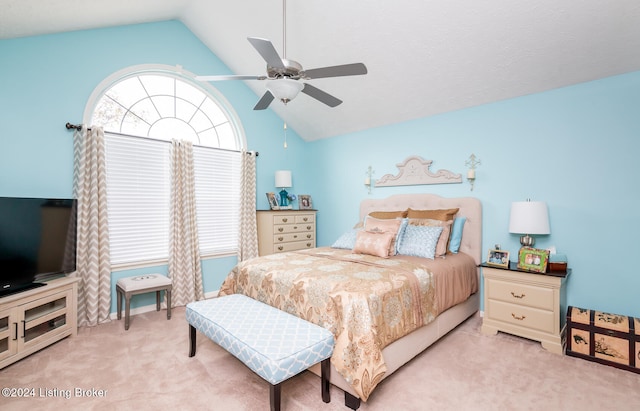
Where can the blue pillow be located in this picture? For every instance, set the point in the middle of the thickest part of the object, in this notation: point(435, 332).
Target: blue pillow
point(419, 241)
point(456, 234)
point(347, 240)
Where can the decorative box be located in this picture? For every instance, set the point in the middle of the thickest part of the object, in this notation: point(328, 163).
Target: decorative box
point(604, 338)
point(557, 263)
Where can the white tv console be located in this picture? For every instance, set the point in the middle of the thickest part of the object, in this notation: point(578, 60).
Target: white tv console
point(36, 318)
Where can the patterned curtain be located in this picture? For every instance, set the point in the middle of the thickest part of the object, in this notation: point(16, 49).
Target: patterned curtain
point(184, 253)
point(248, 235)
point(93, 264)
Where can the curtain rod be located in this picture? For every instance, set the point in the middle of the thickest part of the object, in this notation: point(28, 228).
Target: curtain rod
point(70, 126)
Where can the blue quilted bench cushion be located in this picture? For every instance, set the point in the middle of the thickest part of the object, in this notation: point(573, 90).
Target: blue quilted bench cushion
point(274, 344)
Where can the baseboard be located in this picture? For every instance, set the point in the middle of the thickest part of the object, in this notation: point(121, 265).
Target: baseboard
point(152, 307)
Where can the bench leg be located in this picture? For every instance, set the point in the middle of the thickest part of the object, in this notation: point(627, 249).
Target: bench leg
point(325, 385)
point(158, 300)
point(168, 304)
point(351, 401)
point(192, 340)
point(119, 303)
point(274, 396)
point(127, 309)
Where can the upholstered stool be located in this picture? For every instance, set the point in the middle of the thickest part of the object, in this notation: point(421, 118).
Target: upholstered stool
point(129, 286)
point(274, 344)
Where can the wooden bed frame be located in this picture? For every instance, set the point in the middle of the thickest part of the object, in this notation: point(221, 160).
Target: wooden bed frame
point(403, 350)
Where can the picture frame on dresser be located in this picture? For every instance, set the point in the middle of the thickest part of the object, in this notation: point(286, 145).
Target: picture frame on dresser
point(533, 259)
point(304, 201)
point(498, 258)
point(273, 201)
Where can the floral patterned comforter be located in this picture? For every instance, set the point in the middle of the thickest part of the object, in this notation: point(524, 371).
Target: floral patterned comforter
point(367, 302)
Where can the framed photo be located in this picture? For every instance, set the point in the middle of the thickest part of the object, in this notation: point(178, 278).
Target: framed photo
point(498, 258)
point(304, 202)
point(533, 259)
point(273, 201)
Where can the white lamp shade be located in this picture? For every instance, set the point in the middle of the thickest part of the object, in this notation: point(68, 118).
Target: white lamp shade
point(283, 178)
point(529, 217)
point(284, 89)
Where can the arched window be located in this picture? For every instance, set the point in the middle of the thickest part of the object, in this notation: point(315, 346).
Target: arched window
point(141, 109)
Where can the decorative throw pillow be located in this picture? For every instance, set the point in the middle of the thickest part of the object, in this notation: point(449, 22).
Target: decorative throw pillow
point(419, 241)
point(443, 214)
point(443, 240)
point(456, 234)
point(386, 215)
point(375, 243)
point(347, 240)
point(387, 226)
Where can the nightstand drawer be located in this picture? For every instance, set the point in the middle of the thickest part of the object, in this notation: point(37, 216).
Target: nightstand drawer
point(289, 237)
point(521, 294)
point(528, 317)
point(298, 245)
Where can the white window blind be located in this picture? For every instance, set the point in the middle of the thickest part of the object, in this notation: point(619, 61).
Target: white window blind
point(138, 193)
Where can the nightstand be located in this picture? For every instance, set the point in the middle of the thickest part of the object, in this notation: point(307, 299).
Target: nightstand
point(527, 304)
point(285, 230)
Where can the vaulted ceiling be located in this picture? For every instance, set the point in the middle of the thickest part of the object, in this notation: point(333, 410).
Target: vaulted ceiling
point(424, 57)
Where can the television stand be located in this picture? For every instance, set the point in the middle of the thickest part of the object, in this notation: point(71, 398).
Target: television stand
point(33, 319)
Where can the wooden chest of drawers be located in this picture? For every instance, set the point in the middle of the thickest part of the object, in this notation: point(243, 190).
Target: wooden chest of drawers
point(285, 230)
point(526, 304)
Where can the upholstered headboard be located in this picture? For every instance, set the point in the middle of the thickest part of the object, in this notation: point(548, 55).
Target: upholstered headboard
point(470, 207)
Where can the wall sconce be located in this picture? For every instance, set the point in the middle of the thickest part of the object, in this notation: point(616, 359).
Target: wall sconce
point(472, 163)
point(367, 180)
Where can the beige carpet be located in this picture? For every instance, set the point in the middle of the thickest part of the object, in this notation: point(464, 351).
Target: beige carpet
point(148, 368)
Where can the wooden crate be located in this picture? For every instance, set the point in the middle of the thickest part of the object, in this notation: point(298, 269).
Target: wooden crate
point(605, 338)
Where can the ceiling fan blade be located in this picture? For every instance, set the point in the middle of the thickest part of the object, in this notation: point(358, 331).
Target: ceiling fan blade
point(354, 69)
point(267, 51)
point(264, 101)
point(321, 96)
point(230, 77)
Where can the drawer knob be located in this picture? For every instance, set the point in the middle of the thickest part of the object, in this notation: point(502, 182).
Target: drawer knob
point(305, 219)
point(284, 220)
point(517, 295)
point(295, 236)
point(280, 229)
point(308, 235)
point(308, 227)
point(280, 238)
point(295, 227)
point(309, 245)
point(519, 318)
point(280, 248)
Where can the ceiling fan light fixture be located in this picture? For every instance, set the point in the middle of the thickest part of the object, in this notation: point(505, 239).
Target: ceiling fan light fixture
point(284, 89)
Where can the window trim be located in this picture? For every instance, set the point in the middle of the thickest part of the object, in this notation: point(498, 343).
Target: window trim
point(178, 71)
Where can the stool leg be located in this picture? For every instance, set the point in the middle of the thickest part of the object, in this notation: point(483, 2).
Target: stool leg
point(274, 396)
point(158, 300)
point(127, 306)
point(169, 304)
point(119, 303)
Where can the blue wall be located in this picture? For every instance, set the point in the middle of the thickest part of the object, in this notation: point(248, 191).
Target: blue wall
point(573, 148)
point(46, 81)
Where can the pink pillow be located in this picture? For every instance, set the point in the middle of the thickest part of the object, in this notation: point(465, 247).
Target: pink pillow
point(373, 243)
point(387, 226)
point(443, 240)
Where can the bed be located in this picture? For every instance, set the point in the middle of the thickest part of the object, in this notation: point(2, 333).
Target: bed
point(382, 311)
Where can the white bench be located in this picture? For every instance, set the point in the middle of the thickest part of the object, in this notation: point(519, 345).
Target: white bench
point(274, 344)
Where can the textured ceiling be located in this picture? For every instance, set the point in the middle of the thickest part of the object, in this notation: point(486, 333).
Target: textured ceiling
point(424, 56)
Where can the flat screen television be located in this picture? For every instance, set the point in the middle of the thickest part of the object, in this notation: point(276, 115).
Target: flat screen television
point(37, 241)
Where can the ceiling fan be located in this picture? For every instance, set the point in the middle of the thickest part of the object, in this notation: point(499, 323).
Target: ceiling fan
point(284, 77)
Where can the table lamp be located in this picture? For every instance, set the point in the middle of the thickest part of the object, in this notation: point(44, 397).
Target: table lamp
point(529, 217)
point(283, 180)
